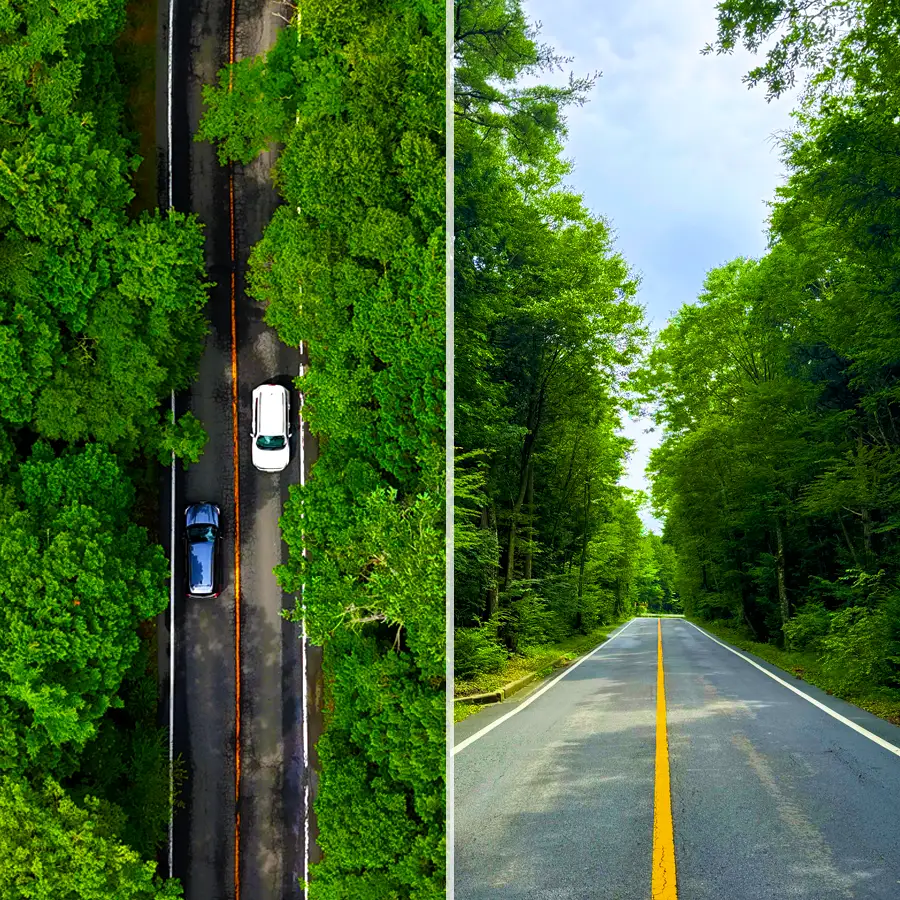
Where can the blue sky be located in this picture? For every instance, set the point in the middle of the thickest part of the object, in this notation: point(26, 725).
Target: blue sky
point(672, 148)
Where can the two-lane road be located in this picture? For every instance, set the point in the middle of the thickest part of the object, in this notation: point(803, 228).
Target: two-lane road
point(242, 673)
point(771, 796)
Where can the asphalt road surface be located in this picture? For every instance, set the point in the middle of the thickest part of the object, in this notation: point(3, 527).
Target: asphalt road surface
point(239, 690)
point(772, 797)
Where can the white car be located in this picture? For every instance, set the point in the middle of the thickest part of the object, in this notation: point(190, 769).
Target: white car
point(271, 432)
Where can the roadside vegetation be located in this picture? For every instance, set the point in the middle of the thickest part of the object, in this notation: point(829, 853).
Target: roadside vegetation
point(352, 264)
point(539, 660)
point(779, 475)
point(548, 544)
point(532, 659)
point(100, 317)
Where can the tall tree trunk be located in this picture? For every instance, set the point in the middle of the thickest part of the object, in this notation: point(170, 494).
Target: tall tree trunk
point(584, 538)
point(529, 506)
point(509, 574)
point(579, 614)
point(492, 605)
point(867, 539)
point(535, 414)
point(850, 546)
point(782, 587)
point(564, 495)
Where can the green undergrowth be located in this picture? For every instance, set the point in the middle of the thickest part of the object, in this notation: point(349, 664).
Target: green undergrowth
point(807, 666)
point(532, 659)
point(464, 710)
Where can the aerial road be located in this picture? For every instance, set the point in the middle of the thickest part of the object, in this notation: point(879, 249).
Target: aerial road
point(668, 765)
point(244, 678)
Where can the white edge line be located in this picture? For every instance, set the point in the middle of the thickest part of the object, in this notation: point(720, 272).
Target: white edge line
point(449, 454)
point(302, 443)
point(480, 734)
point(172, 656)
point(302, 447)
point(169, 67)
point(891, 748)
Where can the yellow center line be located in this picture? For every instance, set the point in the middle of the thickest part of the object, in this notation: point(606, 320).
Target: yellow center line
point(663, 885)
point(237, 499)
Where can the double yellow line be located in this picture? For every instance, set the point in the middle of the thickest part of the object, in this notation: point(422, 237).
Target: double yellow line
point(663, 883)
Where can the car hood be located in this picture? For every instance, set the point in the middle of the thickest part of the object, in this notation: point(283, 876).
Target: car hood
point(202, 514)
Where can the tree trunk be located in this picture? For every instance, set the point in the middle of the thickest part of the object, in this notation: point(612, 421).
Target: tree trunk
point(529, 506)
point(509, 574)
point(584, 538)
point(867, 539)
point(564, 494)
point(579, 614)
point(782, 588)
point(850, 546)
point(492, 605)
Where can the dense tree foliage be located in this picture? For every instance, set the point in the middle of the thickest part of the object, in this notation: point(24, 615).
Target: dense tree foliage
point(100, 317)
point(780, 472)
point(97, 311)
point(547, 542)
point(52, 848)
point(352, 263)
point(75, 578)
point(834, 43)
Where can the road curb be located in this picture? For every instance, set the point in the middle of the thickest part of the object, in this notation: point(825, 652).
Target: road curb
point(513, 686)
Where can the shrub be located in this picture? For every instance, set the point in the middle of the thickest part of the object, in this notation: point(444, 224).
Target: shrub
point(807, 628)
point(477, 650)
point(859, 651)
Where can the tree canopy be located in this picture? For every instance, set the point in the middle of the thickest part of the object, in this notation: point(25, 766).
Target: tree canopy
point(352, 264)
point(778, 475)
point(101, 316)
point(547, 329)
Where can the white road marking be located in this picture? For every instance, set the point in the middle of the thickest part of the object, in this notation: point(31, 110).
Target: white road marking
point(302, 447)
point(172, 655)
point(169, 66)
point(480, 734)
point(303, 584)
point(891, 748)
point(450, 432)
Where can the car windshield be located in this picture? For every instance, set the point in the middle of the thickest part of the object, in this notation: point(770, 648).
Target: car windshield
point(201, 534)
point(270, 443)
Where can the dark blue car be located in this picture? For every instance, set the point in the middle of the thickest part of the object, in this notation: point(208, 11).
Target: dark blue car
point(203, 550)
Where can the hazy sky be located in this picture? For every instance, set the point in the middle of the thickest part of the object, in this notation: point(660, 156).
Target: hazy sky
point(672, 148)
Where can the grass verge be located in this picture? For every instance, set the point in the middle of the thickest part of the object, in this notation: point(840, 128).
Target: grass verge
point(532, 659)
point(807, 666)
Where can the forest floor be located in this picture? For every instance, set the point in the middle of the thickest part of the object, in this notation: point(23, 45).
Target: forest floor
point(531, 659)
point(805, 665)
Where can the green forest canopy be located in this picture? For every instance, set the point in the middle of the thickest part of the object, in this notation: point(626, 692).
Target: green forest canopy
point(548, 543)
point(352, 263)
point(100, 318)
point(779, 475)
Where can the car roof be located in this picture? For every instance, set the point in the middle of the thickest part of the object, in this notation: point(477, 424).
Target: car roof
point(271, 399)
point(202, 564)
